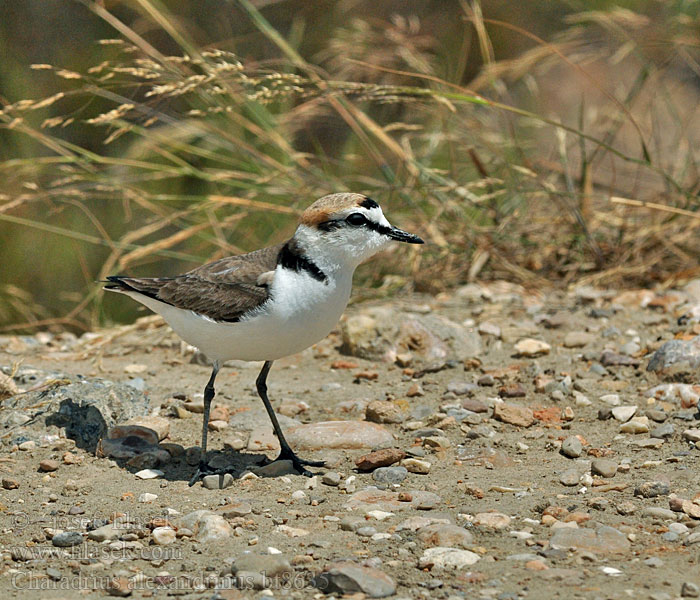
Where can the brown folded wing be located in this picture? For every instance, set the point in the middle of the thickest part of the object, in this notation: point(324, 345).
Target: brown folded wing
point(223, 290)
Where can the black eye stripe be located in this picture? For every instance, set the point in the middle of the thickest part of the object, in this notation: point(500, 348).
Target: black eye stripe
point(338, 223)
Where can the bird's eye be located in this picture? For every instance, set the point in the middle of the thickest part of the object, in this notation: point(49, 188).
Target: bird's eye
point(356, 219)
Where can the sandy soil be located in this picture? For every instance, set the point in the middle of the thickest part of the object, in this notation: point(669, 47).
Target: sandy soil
point(520, 480)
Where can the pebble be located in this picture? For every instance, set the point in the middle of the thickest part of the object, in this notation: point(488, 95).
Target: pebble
point(664, 431)
point(236, 508)
point(390, 475)
point(462, 388)
point(693, 538)
point(531, 347)
point(293, 532)
point(416, 465)
point(217, 482)
point(331, 478)
point(384, 411)
point(9, 484)
point(48, 465)
point(623, 413)
point(207, 526)
point(119, 586)
point(447, 558)
point(690, 590)
point(570, 477)
point(162, 536)
point(160, 425)
point(612, 359)
point(604, 467)
point(515, 390)
point(572, 447)
point(514, 414)
point(474, 405)
point(683, 353)
point(66, 539)
point(654, 562)
point(105, 533)
point(492, 520)
point(658, 512)
point(692, 435)
point(488, 328)
point(350, 578)
point(601, 540)
point(635, 425)
point(149, 474)
point(338, 434)
point(436, 442)
point(486, 380)
point(259, 571)
point(445, 535)
point(611, 399)
point(379, 458)
point(578, 339)
point(652, 489)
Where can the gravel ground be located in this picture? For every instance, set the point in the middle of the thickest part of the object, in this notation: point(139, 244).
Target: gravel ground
point(487, 443)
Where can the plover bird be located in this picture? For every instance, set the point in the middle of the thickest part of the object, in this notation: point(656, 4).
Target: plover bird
point(273, 302)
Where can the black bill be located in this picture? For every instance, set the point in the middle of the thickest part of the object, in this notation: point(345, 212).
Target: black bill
point(403, 236)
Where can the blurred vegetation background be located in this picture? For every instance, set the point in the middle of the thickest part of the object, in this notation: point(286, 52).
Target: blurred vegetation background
point(548, 143)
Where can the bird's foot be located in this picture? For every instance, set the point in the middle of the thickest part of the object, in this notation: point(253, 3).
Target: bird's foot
point(204, 469)
point(298, 463)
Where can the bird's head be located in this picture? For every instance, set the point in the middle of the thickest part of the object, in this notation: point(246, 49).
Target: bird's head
point(348, 228)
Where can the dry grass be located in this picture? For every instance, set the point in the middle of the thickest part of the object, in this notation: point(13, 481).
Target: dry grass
point(520, 176)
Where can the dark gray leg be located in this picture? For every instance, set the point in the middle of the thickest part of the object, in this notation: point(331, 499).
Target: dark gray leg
point(209, 393)
point(286, 452)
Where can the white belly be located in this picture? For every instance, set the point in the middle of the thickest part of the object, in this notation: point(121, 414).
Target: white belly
point(301, 312)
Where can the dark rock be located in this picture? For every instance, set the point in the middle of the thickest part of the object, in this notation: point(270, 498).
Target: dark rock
point(612, 359)
point(515, 390)
point(350, 578)
point(66, 539)
point(86, 408)
point(652, 489)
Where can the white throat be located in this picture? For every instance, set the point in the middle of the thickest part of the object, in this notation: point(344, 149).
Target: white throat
point(336, 256)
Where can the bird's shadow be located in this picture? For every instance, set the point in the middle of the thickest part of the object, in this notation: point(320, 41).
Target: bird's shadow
point(178, 468)
point(85, 425)
point(236, 463)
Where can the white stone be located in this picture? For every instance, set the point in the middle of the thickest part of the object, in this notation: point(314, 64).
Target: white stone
point(380, 515)
point(441, 557)
point(493, 520)
point(623, 413)
point(147, 497)
point(532, 347)
point(635, 425)
point(207, 526)
point(162, 536)
point(292, 531)
point(149, 474)
point(416, 465)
